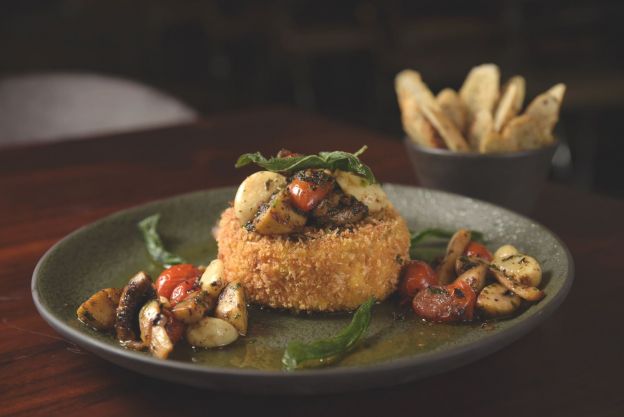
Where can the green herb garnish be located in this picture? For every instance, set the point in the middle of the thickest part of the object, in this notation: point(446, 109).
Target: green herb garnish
point(430, 250)
point(154, 244)
point(441, 234)
point(326, 351)
point(344, 161)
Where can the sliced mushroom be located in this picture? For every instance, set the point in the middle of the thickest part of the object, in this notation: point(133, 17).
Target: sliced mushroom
point(211, 332)
point(456, 246)
point(212, 280)
point(505, 251)
point(371, 195)
point(475, 276)
point(524, 291)
point(138, 291)
point(148, 316)
point(465, 263)
point(256, 190)
point(496, 300)
point(522, 268)
point(278, 217)
point(164, 301)
point(160, 344)
point(99, 310)
point(153, 326)
point(193, 308)
point(232, 307)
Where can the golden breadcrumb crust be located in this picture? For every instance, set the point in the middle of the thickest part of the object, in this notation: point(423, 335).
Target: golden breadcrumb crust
point(319, 270)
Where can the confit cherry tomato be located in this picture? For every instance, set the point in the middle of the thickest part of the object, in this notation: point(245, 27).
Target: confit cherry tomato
point(416, 276)
point(183, 289)
point(306, 195)
point(476, 249)
point(446, 304)
point(174, 276)
point(174, 327)
point(285, 153)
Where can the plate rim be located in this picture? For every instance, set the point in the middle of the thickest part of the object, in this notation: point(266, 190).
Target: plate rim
point(478, 348)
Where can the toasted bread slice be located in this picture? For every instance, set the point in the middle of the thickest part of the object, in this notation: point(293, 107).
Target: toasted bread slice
point(419, 130)
point(412, 94)
point(481, 126)
point(409, 84)
point(481, 130)
point(494, 142)
point(558, 91)
point(544, 110)
point(446, 129)
point(487, 140)
point(480, 89)
point(510, 103)
point(453, 107)
point(526, 133)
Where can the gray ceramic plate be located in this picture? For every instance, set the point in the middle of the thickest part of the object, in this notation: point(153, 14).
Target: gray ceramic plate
point(396, 349)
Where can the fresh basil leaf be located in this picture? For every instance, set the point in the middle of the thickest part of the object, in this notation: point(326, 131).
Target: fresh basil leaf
point(325, 160)
point(325, 351)
point(441, 234)
point(434, 248)
point(429, 253)
point(153, 242)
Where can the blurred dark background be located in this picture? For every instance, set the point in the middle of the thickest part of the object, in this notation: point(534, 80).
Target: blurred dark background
point(339, 58)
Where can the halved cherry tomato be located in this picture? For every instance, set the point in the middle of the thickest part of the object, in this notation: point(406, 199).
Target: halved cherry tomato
point(285, 153)
point(476, 249)
point(174, 276)
point(445, 304)
point(306, 195)
point(174, 327)
point(416, 276)
point(183, 289)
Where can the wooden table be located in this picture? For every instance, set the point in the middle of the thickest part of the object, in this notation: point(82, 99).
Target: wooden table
point(572, 365)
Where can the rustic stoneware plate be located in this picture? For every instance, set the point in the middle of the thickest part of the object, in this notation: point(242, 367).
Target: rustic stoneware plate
point(397, 347)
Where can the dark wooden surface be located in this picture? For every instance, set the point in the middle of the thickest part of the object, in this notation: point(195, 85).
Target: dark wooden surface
point(572, 365)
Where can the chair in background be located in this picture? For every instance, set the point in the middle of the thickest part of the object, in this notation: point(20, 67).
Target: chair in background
point(51, 106)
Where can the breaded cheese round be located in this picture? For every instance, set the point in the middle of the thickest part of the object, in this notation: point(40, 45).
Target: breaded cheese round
point(319, 269)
